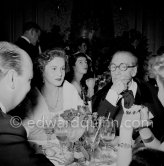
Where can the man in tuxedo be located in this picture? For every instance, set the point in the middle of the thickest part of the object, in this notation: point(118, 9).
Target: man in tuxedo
point(30, 38)
point(123, 68)
point(16, 72)
point(29, 42)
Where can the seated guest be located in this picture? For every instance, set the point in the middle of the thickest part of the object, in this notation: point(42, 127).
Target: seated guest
point(146, 133)
point(153, 155)
point(15, 77)
point(123, 68)
point(77, 76)
point(49, 101)
point(83, 46)
point(54, 96)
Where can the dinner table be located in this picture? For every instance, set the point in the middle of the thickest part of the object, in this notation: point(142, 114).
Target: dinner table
point(83, 139)
point(76, 155)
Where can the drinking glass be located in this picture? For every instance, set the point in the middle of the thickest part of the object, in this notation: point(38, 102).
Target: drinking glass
point(107, 132)
point(92, 139)
point(49, 130)
point(62, 136)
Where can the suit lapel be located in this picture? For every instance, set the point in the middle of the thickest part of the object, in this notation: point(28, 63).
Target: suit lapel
point(99, 96)
point(138, 97)
point(2, 114)
point(143, 94)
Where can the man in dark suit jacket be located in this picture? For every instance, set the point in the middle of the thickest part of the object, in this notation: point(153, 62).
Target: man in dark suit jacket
point(15, 77)
point(29, 42)
point(123, 69)
point(30, 38)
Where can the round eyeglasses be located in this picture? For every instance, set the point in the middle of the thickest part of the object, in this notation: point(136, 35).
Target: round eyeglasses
point(122, 67)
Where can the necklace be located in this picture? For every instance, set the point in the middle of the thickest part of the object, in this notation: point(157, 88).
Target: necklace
point(54, 106)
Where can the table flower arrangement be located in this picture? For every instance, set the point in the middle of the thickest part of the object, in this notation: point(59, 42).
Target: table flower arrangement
point(78, 133)
point(76, 122)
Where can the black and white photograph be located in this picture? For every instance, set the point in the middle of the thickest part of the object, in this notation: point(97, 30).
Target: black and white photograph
point(81, 83)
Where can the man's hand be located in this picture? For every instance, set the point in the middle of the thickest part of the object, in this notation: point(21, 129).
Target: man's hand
point(119, 86)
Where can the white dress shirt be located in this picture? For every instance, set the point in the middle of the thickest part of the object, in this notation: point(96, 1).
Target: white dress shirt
point(2, 108)
point(113, 97)
point(25, 38)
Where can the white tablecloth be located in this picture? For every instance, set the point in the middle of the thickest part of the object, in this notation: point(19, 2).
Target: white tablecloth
point(63, 157)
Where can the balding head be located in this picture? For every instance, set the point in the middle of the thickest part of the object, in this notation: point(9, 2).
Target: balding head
point(15, 74)
point(12, 57)
point(128, 56)
point(129, 60)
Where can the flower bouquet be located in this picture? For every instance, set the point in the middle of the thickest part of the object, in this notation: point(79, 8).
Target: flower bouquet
point(74, 122)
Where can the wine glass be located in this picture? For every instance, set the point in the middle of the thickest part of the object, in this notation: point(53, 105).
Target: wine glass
point(107, 132)
point(61, 135)
point(49, 130)
point(65, 144)
point(92, 139)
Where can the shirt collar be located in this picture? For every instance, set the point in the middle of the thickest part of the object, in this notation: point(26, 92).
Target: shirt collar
point(2, 108)
point(133, 87)
point(24, 37)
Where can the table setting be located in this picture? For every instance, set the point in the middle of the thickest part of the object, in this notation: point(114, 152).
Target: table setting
point(78, 138)
point(81, 138)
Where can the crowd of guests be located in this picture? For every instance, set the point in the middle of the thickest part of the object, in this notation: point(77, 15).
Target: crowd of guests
point(62, 82)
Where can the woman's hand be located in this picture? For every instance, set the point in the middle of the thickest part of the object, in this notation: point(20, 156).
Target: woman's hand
point(90, 82)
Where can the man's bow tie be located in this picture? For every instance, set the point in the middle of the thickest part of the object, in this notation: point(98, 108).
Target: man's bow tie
point(128, 98)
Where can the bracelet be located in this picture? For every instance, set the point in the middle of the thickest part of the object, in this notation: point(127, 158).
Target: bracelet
point(124, 145)
point(148, 140)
